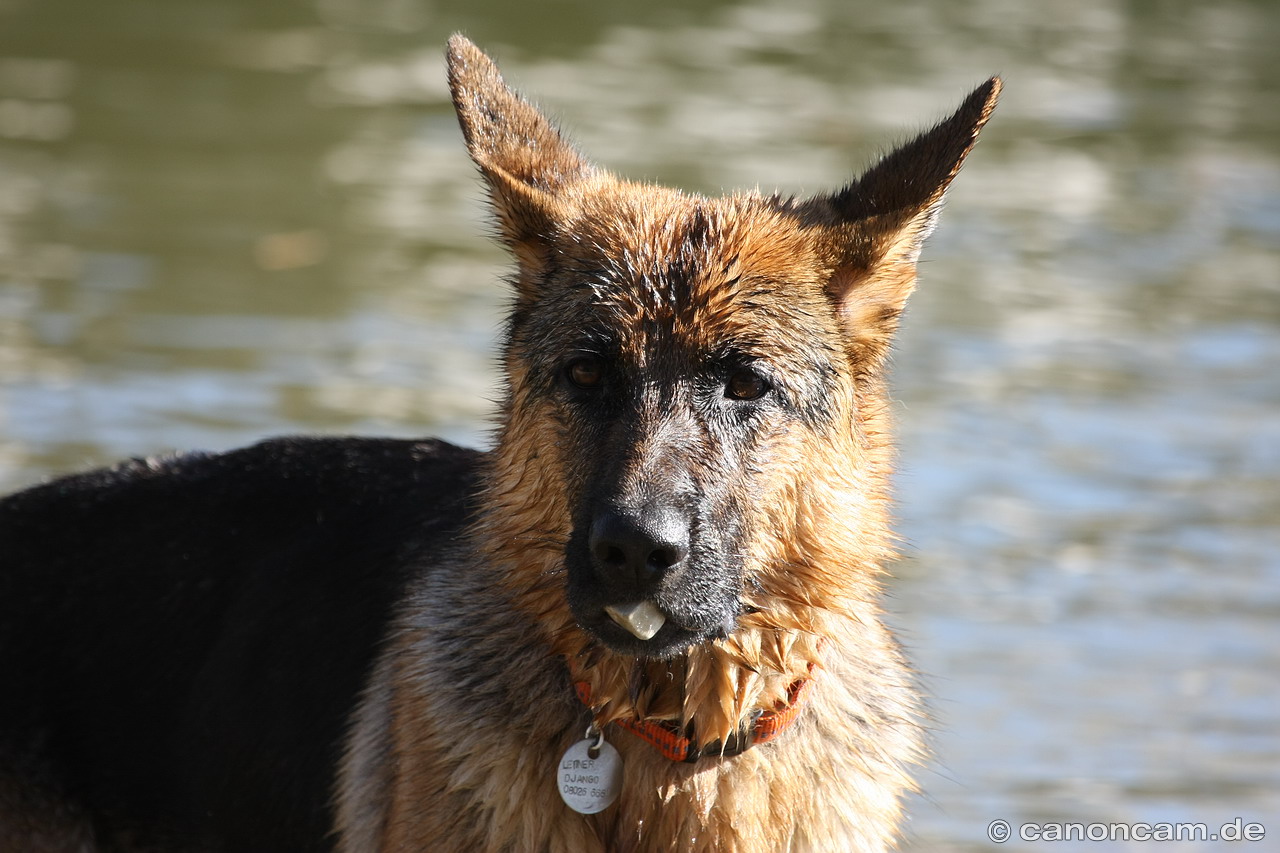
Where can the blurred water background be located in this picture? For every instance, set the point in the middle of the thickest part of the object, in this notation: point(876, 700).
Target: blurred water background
point(227, 219)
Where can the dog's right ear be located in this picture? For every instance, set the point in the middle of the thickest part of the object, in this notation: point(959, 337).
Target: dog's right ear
point(524, 159)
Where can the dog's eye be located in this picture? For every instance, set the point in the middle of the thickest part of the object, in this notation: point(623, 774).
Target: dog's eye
point(746, 384)
point(585, 372)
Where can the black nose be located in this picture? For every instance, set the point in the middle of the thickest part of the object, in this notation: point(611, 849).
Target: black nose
point(638, 549)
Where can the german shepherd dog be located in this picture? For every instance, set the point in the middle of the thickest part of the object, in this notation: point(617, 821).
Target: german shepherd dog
point(645, 621)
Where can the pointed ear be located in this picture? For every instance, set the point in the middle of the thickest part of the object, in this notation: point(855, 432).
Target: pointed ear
point(880, 222)
point(524, 159)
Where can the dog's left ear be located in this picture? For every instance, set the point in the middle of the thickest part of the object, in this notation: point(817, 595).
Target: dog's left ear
point(527, 164)
point(880, 221)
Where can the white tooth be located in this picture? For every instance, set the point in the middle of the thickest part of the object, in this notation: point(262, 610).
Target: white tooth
point(643, 619)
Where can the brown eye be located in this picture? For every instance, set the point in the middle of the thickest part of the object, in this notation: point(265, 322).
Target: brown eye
point(585, 372)
point(745, 384)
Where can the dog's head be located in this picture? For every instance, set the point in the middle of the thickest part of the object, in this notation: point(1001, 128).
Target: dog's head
point(694, 408)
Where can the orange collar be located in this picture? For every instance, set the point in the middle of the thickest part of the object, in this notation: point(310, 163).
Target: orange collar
point(670, 739)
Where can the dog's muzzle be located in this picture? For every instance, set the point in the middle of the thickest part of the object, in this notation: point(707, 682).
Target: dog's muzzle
point(633, 553)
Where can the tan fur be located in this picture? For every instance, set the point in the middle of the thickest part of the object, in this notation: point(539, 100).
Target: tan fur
point(456, 742)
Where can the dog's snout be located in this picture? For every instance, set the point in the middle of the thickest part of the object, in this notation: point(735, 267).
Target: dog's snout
point(639, 549)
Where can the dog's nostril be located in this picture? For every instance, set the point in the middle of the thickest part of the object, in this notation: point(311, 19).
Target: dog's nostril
point(608, 552)
point(662, 559)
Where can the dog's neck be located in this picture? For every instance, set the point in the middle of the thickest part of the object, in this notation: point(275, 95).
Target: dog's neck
point(681, 743)
point(713, 690)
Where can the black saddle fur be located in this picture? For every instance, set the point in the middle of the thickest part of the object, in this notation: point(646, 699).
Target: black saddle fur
point(160, 620)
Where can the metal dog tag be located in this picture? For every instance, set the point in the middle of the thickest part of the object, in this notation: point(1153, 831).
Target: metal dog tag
point(590, 774)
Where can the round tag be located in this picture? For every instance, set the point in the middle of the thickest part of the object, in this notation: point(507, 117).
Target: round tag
point(589, 785)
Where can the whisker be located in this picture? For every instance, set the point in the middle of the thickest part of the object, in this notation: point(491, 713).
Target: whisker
point(556, 543)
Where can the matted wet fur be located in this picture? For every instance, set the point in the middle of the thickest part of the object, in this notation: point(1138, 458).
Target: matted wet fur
point(373, 645)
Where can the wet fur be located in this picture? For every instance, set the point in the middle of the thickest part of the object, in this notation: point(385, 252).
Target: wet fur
point(456, 598)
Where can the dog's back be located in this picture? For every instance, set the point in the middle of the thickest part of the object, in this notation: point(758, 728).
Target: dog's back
point(181, 638)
